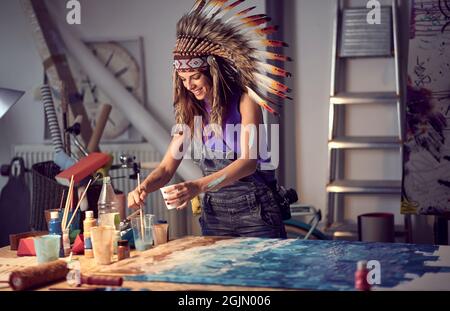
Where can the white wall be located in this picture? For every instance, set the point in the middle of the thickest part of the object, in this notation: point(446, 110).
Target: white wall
point(155, 21)
point(20, 64)
point(20, 68)
point(308, 29)
point(311, 25)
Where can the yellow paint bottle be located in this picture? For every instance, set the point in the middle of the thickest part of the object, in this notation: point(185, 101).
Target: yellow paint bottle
point(88, 223)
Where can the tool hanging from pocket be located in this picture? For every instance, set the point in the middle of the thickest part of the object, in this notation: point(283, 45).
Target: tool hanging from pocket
point(284, 197)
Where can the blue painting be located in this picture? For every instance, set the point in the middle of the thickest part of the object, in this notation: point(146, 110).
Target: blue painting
point(289, 264)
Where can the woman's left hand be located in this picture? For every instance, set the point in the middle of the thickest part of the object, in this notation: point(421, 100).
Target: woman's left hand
point(180, 194)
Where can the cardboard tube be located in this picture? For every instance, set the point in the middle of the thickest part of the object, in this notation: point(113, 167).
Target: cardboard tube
point(99, 128)
point(160, 233)
point(376, 227)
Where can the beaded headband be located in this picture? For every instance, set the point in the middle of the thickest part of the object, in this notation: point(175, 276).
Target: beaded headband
point(186, 63)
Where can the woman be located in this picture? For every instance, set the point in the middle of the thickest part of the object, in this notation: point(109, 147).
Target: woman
point(214, 78)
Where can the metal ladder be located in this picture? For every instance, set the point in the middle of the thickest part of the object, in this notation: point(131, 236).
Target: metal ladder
point(355, 38)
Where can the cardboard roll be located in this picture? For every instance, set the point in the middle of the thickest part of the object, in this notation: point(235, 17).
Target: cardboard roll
point(376, 227)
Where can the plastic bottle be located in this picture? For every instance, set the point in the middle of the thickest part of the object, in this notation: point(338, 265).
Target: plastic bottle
point(108, 213)
point(54, 225)
point(361, 276)
point(54, 228)
point(88, 223)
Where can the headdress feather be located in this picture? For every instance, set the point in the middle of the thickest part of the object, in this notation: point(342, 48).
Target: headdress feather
point(211, 28)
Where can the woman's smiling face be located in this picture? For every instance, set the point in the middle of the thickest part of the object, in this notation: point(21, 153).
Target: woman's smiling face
point(197, 83)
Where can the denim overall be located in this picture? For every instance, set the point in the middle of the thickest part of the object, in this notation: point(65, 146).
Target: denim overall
point(246, 208)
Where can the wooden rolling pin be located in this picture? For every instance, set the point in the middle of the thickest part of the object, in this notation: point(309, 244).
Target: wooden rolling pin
point(55, 271)
point(38, 276)
point(99, 128)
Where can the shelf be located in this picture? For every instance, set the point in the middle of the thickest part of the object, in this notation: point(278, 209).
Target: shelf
point(365, 186)
point(365, 142)
point(365, 98)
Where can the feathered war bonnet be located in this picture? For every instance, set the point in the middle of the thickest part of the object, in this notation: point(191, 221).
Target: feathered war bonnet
point(212, 29)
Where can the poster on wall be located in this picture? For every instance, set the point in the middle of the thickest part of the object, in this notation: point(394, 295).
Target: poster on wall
point(426, 158)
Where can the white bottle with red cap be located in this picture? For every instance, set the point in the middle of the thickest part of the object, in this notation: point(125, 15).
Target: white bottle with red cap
point(361, 276)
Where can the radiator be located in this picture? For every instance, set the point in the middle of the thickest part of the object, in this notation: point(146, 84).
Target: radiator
point(144, 153)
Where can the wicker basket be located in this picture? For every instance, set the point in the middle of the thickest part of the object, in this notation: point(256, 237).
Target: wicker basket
point(46, 192)
point(47, 195)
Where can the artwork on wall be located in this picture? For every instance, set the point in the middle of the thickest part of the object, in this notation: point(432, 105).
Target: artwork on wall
point(426, 159)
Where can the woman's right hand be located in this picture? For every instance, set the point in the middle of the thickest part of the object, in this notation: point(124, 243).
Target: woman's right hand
point(136, 198)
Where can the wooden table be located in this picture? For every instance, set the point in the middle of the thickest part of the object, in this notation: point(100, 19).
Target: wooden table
point(9, 261)
point(328, 265)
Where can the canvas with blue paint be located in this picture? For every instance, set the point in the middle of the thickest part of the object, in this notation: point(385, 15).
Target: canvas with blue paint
point(290, 264)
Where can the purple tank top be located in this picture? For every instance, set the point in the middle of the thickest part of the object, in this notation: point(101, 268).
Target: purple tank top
point(231, 131)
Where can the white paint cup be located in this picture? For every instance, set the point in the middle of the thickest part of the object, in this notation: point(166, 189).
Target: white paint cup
point(163, 189)
point(102, 244)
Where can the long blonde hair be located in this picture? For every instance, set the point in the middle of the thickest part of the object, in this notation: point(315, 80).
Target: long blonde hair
point(224, 81)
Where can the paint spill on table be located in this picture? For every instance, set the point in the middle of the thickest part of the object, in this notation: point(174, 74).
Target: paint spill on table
point(294, 264)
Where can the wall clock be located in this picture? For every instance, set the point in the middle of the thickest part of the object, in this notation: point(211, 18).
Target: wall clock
point(123, 65)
